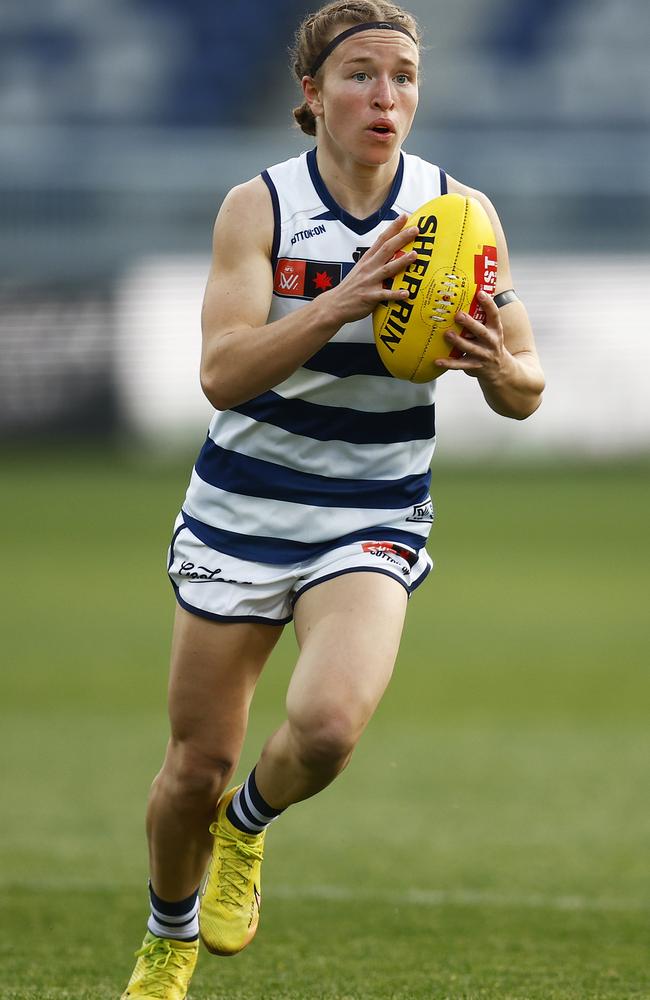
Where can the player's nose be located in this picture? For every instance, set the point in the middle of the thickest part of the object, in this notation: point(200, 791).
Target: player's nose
point(383, 94)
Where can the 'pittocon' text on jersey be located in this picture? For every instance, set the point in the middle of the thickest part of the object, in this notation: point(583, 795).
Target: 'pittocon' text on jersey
point(341, 450)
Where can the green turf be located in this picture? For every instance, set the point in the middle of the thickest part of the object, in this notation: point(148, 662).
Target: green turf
point(514, 739)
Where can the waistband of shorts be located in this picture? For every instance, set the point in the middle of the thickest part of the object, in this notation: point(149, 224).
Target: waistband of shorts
point(282, 550)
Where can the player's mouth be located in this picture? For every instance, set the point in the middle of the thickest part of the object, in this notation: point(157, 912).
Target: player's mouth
point(382, 128)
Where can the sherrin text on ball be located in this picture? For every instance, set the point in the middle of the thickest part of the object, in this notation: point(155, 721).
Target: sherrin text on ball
point(456, 259)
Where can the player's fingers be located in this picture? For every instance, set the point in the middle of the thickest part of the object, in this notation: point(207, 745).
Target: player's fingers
point(397, 263)
point(395, 243)
point(464, 364)
point(395, 226)
point(490, 306)
point(468, 344)
point(389, 294)
point(394, 237)
point(492, 318)
point(390, 231)
point(473, 326)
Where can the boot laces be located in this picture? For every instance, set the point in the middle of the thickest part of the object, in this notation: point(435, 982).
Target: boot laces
point(163, 963)
point(237, 858)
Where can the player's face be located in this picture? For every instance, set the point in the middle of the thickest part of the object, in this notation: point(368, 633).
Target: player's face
point(368, 95)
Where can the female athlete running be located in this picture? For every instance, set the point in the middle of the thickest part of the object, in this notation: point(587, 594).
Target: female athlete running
point(310, 497)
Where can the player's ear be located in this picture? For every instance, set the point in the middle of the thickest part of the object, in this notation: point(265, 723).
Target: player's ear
point(312, 94)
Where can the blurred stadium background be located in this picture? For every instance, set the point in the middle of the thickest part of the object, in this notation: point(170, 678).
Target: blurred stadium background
point(125, 123)
point(521, 693)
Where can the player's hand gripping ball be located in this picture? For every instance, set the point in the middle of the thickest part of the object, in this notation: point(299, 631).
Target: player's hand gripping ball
point(456, 260)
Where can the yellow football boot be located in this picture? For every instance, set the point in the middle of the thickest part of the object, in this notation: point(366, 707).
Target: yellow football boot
point(230, 904)
point(163, 970)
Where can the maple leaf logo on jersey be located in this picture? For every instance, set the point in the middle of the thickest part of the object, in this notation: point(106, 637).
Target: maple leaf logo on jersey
point(305, 278)
point(322, 281)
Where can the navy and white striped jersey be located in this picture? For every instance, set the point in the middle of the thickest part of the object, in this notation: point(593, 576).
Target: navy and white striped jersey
point(340, 451)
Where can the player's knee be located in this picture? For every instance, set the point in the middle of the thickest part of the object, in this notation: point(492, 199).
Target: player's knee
point(324, 740)
point(196, 773)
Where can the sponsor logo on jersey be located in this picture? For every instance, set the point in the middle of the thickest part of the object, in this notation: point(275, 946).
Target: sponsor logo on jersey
point(305, 278)
point(358, 254)
point(307, 234)
point(290, 277)
point(422, 512)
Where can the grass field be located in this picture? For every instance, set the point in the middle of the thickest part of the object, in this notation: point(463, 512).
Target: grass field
point(491, 837)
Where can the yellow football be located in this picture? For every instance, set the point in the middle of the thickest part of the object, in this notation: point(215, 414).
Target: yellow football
point(457, 259)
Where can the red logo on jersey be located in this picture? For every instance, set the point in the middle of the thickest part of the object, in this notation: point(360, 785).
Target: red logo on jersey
point(290, 277)
point(305, 278)
point(322, 281)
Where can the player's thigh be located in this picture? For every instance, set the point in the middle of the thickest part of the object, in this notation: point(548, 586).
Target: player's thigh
point(214, 669)
point(349, 630)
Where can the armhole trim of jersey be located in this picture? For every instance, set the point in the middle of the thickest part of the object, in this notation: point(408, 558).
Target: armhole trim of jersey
point(443, 181)
point(275, 201)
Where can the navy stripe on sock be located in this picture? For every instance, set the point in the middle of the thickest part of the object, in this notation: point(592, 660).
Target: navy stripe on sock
point(174, 925)
point(255, 823)
point(260, 804)
point(177, 909)
point(253, 820)
point(233, 818)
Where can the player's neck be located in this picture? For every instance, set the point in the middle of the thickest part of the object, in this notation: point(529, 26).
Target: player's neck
point(359, 188)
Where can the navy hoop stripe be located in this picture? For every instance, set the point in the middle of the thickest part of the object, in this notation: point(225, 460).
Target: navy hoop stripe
point(339, 423)
point(266, 549)
point(342, 360)
point(254, 477)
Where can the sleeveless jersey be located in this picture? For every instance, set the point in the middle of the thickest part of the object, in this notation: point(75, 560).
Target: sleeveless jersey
point(339, 451)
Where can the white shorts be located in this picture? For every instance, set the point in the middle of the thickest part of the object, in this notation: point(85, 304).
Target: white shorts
point(214, 585)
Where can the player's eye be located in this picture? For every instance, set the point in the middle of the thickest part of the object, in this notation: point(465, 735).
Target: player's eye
point(360, 76)
point(402, 78)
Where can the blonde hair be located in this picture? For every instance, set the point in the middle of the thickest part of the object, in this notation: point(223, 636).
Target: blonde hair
point(319, 28)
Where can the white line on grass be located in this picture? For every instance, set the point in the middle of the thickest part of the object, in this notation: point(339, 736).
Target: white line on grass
point(456, 897)
point(406, 897)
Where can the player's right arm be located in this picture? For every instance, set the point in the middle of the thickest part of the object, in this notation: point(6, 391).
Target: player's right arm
point(243, 355)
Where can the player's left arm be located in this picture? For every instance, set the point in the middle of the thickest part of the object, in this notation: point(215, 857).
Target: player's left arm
point(501, 352)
